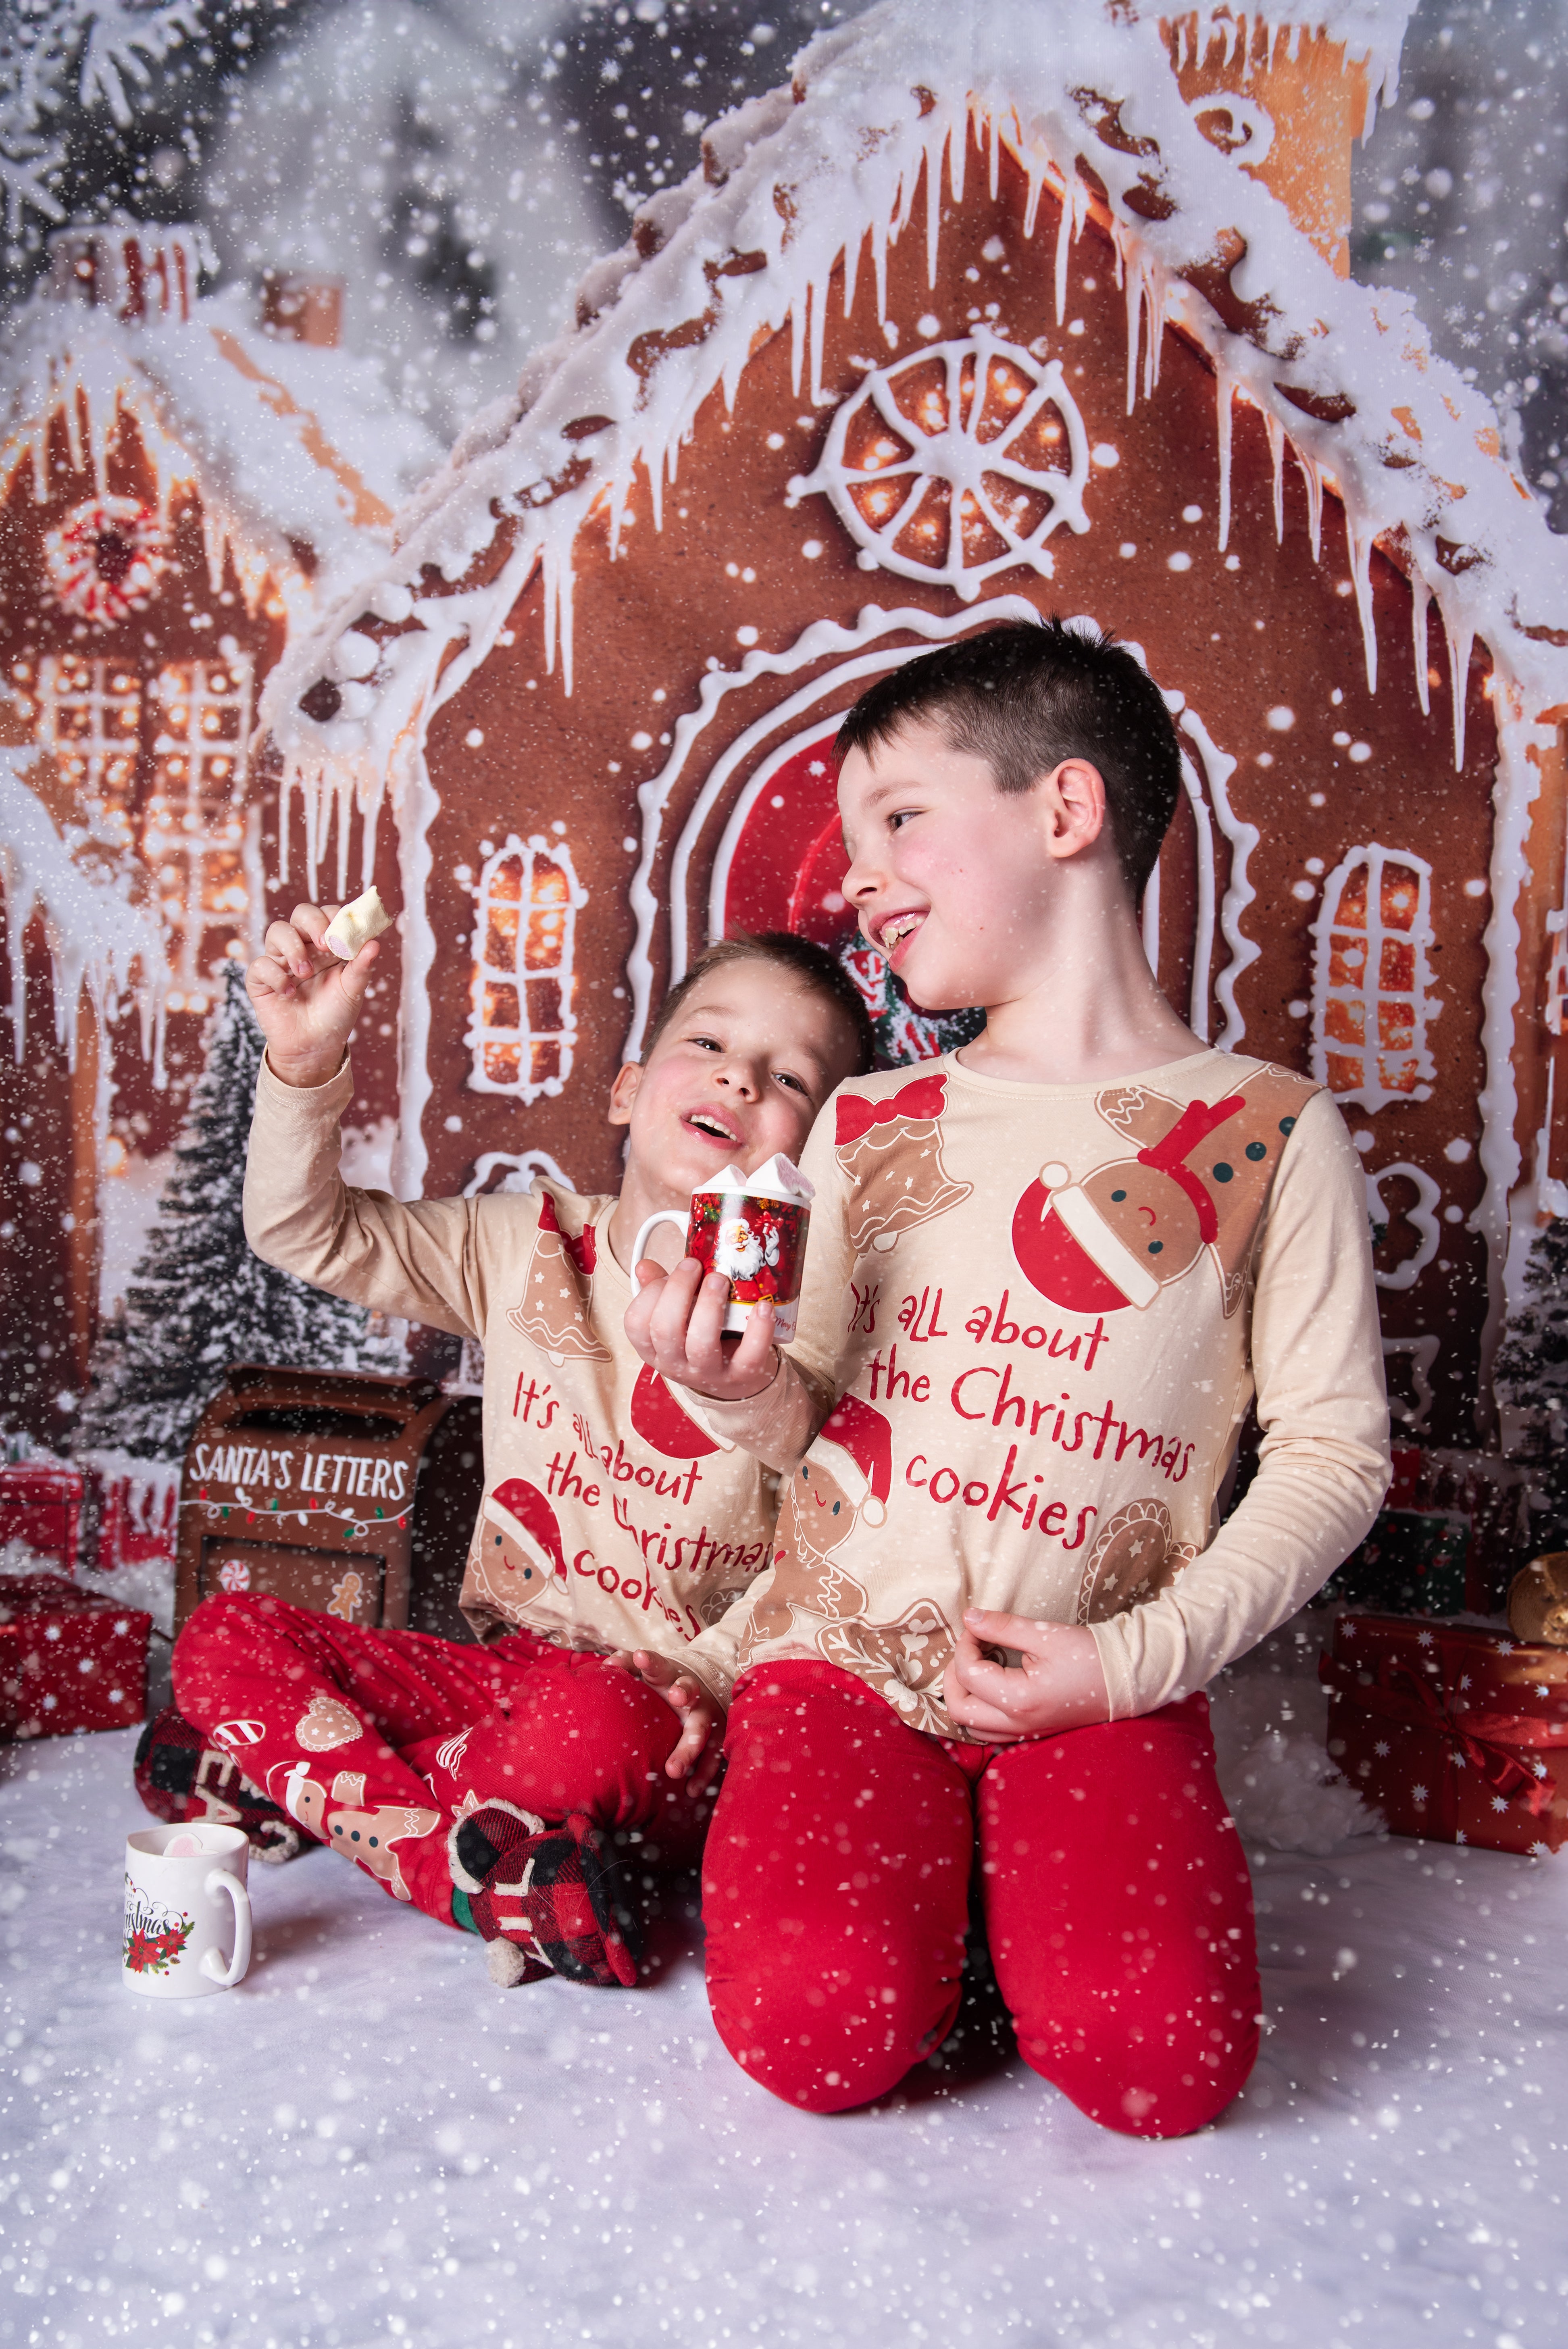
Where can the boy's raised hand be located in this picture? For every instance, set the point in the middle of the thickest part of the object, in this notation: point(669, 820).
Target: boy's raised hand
point(675, 1322)
point(307, 999)
point(701, 1746)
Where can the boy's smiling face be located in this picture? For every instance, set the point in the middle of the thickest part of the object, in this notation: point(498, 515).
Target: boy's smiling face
point(951, 877)
point(739, 1074)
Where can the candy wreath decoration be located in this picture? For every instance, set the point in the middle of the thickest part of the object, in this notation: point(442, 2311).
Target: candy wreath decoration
point(106, 560)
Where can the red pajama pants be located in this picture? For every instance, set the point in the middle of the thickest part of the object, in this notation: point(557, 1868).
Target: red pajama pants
point(1114, 1886)
point(376, 1741)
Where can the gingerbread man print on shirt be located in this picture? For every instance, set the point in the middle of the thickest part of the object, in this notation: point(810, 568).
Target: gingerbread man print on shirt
point(557, 1287)
point(517, 1549)
point(366, 1836)
point(891, 1151)
point(1195, 1185)
point(1134, 1555)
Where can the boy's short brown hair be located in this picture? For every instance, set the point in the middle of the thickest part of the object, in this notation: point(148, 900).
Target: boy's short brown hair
point(1026, 695)
point(821, 970)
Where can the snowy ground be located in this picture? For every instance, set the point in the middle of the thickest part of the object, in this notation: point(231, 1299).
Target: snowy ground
point(368, 2143)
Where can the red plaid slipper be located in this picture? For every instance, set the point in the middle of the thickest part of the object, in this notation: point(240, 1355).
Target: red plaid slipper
point(184, 1780)
point(546, 1899)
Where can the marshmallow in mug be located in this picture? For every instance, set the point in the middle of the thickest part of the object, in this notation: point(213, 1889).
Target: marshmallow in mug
point(353, 927)
point(730, 1231)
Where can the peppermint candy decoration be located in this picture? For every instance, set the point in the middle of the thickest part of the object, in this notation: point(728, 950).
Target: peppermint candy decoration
point(106, 560)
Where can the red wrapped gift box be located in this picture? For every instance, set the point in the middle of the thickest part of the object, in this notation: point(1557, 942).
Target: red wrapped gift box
point(41, 1503)
point(68, 1660)
point(1456, 1734)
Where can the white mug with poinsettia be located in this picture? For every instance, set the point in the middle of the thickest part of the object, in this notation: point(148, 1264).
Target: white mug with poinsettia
point(185, 1896)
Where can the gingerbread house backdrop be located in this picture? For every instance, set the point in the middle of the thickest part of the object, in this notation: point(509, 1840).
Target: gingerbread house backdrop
point(991, 310)
point(183, 480)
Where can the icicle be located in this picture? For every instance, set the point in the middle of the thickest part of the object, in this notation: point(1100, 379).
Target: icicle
point(932, 205)
point(1420, 597)
point(1152, 278)
point(1275, 431)
point(816, 339)
point(1226, 393)
point(878, 263)
point(1360, 535)
point(798, 311)
point(993, 127)
point(72, 413)
point(342, 808)
point(1460, 638)
point(1036, 187)
point(957, 154)
point(1064, 246)
point(1312, 477)
point(1132, 291)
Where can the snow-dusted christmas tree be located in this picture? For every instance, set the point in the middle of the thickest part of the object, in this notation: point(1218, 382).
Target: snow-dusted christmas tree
point(200, 1299)
point(1530, 1375)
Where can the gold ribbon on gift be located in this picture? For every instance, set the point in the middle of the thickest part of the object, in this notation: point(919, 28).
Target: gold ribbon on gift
point(1388, 1688)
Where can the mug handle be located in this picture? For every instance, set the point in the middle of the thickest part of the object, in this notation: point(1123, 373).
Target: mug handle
point(220, 1881)
point(665, 1215)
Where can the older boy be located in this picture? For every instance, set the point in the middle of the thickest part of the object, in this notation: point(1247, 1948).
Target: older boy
point(1047, 1274)
point(477, 1782)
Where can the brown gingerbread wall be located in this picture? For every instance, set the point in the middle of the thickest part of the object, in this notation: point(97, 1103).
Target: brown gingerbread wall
point(1261, 628)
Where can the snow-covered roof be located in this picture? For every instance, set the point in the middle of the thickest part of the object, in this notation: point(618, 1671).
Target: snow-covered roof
point(288, 443)
point(1344, 376)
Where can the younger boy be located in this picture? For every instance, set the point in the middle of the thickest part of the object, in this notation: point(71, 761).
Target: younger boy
point(1047, 1276)
point(477, 1781)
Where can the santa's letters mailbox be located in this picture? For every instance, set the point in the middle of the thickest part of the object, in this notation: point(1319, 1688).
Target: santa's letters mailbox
point(354, 1495)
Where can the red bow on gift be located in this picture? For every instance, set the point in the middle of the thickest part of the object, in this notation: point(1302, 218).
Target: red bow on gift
point(1481, 1739)
point(925, 1098)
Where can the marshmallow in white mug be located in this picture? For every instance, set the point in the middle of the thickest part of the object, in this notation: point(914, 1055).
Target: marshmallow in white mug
point(353, 927)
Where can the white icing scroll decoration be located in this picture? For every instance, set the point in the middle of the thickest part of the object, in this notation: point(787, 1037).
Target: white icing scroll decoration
point(523, 1027)
point(1371, 990)
point(1249, 132)
point(956, 463)
point(1422, 1352)
point(522, 1167)
point(1421, 1217)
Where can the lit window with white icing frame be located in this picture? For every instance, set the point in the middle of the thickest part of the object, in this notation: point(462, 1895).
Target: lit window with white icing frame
point(523, 1027)
point(1372, 1000)
point(194, 828)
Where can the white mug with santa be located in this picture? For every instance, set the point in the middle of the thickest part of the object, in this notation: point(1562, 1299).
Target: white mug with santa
point(751, 1228)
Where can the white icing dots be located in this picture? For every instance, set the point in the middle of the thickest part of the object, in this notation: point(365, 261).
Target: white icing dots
point(1180, 561)
point(1476, 889)
point(1075, 327)
point(1342, 740)
point(1305, 890)
point(1126, 550)
point(1298, 1006)
point(1337, 697)
point(1457, 1151)
point(1360, 753)
point(1191, 513)
point(1316, 799)
point(775, 441)
point(746, 635)
point(812, 549)
point(642, 741)
point(1106, 454)
point(1281, 717)
point(1233, 562)
point(1453, 1215)
point(630, 845)
point(1265, 758)
point(928, 328)
point(1314, 864)
point(993, 250)
point(474, 739)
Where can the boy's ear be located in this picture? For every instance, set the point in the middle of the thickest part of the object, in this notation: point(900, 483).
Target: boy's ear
point(1073, 804)
point(624, 1093)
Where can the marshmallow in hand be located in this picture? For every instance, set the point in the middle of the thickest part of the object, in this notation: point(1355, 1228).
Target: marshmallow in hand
point(353, 927)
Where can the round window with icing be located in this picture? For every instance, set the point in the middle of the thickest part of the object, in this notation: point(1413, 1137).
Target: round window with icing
point(956, 463)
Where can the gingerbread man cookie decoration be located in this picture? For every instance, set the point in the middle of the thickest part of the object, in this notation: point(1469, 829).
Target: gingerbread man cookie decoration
point(518, 1549)
point(843, 1481)
point(1197, 1187)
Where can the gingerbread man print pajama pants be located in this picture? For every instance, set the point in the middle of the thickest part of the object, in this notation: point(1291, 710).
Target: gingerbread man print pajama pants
point(375, 1741)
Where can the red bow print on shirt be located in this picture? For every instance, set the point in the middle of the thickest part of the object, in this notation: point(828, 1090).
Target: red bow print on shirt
point(925, 1098)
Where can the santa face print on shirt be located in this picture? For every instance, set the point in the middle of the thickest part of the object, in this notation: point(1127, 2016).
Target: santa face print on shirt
point(557, 1290)
point(1193, 1186)
point(890, 1151)
point(517, 1549)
